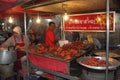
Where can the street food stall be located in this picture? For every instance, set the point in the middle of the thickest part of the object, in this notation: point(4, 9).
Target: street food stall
point(62, 53)
point(83, 24)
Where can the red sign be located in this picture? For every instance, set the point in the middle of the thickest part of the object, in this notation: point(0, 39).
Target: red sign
point(95, 22)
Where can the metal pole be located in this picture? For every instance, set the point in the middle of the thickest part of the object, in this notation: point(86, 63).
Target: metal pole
point(107, 39)
point(62, 28)
point(25, 44)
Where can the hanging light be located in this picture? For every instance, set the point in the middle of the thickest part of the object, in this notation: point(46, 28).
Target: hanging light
point(65, 17)
point(38, 20)
point(30, 20)
point(10, 20)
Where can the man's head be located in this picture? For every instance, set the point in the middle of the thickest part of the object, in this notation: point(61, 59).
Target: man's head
point(52, 25)
point(17, 31)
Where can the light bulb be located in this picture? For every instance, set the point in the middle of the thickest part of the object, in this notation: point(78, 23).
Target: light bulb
point(38, 20)
point(10, 20)
point(30, 20)
point(65, 17)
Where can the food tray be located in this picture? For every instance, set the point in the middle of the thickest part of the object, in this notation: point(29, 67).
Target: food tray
point(114, 62)
point(112, 54)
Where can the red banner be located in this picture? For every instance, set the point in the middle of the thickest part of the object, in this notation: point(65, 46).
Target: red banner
point(95, 22)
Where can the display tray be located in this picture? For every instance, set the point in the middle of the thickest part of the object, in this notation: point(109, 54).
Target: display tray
point(51, 55)
point(112, 53)
point(114, 63)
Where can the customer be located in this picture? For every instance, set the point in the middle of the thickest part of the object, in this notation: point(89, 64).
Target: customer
point(18, 40)
point(50, 39)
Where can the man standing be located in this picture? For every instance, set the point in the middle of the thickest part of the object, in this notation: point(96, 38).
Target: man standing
point(50, 36)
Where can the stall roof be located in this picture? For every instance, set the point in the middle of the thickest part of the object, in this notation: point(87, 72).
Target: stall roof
point(47, 7)
point(8, 4)
point(72, 6)
point(15, 7)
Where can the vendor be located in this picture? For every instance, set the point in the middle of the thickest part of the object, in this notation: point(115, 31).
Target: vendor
point(95, 41)
point(50, 39)
point(18, 40)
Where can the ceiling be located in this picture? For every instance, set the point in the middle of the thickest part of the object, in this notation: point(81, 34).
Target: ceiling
point(15, 7)
point(73, 6)
point(47, 7)
point(7, 4)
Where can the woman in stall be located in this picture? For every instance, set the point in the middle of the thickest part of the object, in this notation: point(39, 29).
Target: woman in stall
point(19, 41)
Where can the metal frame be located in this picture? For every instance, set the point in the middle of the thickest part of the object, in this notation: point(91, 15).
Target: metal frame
point(107, 37)
point(68, 76)
point(56, 74)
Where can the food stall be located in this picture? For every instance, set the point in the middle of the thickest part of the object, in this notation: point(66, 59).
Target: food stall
point(84, 23)
point(54, 56)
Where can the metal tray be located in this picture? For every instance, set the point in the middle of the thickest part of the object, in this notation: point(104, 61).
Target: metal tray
point(115, 63)
point(112, 54)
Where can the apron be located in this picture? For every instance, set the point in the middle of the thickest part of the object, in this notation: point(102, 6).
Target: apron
point(20, 54)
